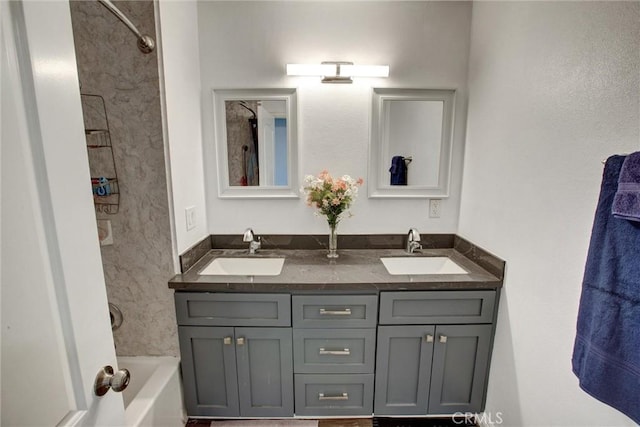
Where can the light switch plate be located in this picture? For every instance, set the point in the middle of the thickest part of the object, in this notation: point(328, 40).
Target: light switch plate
point(190, 216)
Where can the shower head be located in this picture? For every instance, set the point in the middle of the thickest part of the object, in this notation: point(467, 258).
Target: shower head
point(244, 104)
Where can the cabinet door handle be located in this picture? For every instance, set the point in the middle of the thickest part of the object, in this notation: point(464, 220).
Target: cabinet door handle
point(345, 312)
point(443, 339)
point(345, 352)
point(428, 338)
point(240, 341)
point(343, 396)
point(227, 340)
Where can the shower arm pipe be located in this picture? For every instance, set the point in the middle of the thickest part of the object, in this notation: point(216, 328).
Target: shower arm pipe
point(145, 43)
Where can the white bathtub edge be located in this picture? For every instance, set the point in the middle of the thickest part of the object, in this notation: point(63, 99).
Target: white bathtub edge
point(165, 377)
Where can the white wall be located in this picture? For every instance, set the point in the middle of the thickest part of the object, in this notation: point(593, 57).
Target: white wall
point(181, 64)
point(247, 44)
point(553, 90)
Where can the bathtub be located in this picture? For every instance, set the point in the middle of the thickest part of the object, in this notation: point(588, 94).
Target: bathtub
point(154, 395)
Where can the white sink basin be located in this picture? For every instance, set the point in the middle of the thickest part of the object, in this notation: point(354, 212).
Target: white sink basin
point(422, 265)
point(244, 267)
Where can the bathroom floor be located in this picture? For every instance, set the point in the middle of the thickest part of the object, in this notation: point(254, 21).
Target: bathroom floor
point(366, 422)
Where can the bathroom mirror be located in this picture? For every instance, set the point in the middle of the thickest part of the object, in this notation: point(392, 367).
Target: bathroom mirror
point(411, 140)
point(256, 143)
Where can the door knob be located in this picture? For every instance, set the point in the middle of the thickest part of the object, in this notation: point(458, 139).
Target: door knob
point(240, 341)
point(443, 339)
point(428, 338)
point(106, 380)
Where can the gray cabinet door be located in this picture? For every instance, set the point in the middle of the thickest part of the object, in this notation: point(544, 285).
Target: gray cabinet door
point(403, 369)
point(460, 360)
point(209, 371)
point(265, 371)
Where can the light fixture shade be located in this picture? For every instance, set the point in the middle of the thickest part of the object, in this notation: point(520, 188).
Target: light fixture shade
point(337, 72)
point(365, 70)
point(311, 70)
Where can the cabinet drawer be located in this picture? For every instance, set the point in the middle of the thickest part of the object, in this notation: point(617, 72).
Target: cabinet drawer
point(319, 395)
point(201, 308)
point(434, 307)
point(335, 311)
point(323, 351)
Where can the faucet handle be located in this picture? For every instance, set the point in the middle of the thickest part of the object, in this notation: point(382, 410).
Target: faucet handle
point(248, 235)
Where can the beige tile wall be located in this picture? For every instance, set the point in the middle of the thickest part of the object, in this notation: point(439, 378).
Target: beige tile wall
point(139, 263)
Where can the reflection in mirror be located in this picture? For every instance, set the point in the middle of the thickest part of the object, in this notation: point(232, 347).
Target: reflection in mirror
point(256, 140)
point(410, 150)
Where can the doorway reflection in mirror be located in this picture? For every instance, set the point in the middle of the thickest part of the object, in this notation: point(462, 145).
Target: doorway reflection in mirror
point(256, 142)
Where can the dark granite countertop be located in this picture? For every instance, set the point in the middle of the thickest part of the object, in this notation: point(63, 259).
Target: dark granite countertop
point(356, 270)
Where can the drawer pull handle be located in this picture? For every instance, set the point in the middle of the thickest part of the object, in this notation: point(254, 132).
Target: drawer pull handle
point(227, 340)
point(443, 339)
point(343, 396)
point(345, 352)
point(345, 312)
point(240, 341)
point(428, 338)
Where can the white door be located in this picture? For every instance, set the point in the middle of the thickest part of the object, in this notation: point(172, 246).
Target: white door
point(55, 321)
point(266, 140)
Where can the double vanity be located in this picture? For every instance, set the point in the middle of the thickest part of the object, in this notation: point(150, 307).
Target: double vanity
point(288, 332)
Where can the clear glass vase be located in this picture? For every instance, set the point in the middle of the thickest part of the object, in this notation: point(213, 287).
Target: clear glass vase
point(333, 241)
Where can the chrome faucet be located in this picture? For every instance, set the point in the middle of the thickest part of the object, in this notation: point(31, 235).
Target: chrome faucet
point(413, 241)
point(254, 244)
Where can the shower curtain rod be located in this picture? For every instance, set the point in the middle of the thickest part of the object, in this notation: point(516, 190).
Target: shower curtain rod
point(145, 43)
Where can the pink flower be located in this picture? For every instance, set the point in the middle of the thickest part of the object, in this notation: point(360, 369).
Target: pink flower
point(360, 181)
point(335, 202)
point(324, 176)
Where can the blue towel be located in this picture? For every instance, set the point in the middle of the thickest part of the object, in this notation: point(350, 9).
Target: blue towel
point(398, 171)
point(606, 353)
point(626, 203)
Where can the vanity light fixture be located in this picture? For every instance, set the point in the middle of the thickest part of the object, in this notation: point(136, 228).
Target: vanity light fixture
point(337, 71)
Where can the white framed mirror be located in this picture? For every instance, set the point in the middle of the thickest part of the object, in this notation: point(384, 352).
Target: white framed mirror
point(256, 142)
point(411, 143)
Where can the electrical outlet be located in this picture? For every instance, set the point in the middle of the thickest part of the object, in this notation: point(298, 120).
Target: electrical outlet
point(434, 208)
point(190, 215)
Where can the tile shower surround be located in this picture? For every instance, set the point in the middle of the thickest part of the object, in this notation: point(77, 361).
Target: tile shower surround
point(138, 264)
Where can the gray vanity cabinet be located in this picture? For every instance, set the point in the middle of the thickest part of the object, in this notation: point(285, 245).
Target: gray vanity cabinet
point(232, 371)
point(437, 368)
point(397, 353)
